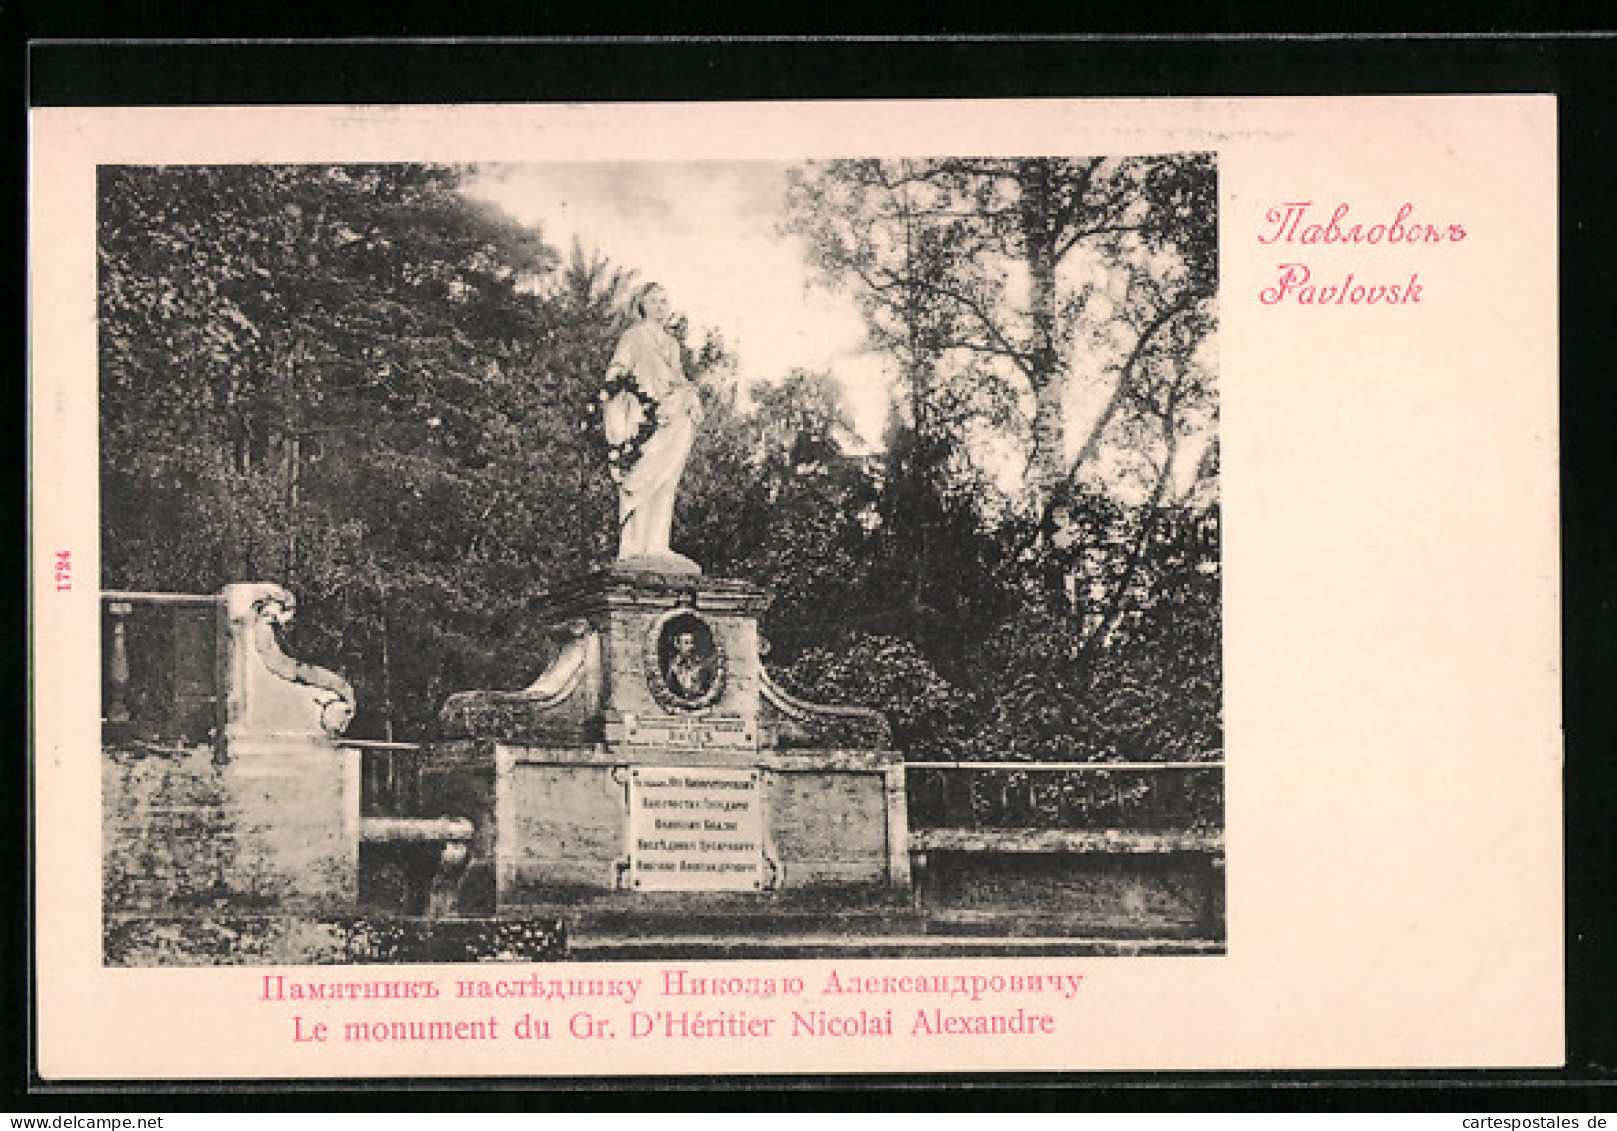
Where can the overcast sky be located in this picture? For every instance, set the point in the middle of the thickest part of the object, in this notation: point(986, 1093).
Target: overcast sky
point(710, 233)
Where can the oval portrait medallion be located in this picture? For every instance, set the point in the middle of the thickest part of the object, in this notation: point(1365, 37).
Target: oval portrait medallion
point(684, 661)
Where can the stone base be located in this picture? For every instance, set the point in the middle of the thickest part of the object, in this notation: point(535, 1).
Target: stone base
point(655, 754)
point(274, 830)
point(553, 823)
point(669, 563)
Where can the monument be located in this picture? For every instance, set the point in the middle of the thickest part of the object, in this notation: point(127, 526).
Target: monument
point(652, 792)
point(654, 753)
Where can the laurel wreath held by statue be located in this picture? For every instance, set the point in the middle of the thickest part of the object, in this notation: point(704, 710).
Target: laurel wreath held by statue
point(621, 457)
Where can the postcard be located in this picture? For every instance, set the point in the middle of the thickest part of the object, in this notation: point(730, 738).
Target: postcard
point(603, 590)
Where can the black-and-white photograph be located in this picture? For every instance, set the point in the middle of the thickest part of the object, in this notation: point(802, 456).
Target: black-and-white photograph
point(652, 560)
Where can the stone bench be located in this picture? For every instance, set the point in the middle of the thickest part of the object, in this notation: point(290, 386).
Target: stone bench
point(453, 833)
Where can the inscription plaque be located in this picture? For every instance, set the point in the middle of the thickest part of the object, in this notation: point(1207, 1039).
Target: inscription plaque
point(696, 829)
point(699, 732)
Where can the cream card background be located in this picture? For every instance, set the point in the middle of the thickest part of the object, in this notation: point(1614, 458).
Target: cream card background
point(1391, 638)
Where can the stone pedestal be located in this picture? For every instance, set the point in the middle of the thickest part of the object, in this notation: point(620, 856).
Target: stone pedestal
point(274, 830)
point(264, 823)
point(656, 755)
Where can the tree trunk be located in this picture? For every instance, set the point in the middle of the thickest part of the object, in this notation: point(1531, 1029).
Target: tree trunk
point(1148, 526)
point(1046, 376)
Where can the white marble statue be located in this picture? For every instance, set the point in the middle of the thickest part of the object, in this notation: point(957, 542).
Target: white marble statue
point(650, 413)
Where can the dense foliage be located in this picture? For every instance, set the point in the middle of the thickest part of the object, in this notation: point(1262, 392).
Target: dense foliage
point(356, 382)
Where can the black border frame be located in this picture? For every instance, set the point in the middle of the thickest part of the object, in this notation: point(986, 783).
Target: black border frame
point(1580, 68)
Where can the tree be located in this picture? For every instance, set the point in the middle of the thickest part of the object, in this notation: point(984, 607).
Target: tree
point(355, 382)
point(1005, 264)
point(1005, 289)
point(819, 506)
point(352, 380)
